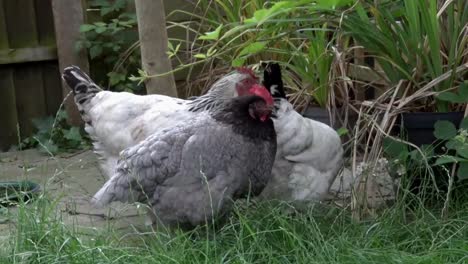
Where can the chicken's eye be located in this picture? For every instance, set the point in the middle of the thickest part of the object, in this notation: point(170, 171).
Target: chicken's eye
point(252, 113)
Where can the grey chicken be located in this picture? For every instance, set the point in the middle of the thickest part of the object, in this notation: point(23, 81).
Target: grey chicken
point(192, 172)
point(118, 120)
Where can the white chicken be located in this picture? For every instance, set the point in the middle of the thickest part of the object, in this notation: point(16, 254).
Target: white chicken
point(117, 120)
point(309, 155)
point(191, 173)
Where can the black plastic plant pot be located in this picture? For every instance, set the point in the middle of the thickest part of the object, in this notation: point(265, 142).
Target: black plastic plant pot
point(419, 126)
point(318, 114)
point(14, 191)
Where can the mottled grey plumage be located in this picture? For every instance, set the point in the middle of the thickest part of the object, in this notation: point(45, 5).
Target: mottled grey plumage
point(190, 173)
point(118, 120)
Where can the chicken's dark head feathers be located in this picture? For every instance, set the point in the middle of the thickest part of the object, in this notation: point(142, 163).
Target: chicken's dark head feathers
point(260, 110)
point(249, 115)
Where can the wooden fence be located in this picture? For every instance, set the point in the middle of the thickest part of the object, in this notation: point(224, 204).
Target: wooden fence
point(30, 85)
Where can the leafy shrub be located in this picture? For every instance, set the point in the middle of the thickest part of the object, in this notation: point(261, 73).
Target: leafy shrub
point(415, 40)
point(54, 135)
point(298, 34)
point(112, 44)
point(456, 145)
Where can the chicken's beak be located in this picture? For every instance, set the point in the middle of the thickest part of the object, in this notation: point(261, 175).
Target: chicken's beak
point(274, 112)
point(272, 109)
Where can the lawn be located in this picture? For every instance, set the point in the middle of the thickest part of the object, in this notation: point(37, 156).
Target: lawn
point(255, 233)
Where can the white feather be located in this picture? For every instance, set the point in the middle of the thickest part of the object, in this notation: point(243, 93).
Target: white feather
point(308, 159)
point(120, 120)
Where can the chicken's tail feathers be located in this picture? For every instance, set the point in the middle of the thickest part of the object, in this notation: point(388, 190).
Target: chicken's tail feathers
point(272, 79)
point(120, 187)
point(83, 87)
point(104, 196)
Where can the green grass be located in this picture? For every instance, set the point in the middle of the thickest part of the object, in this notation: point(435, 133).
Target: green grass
point(259, 233)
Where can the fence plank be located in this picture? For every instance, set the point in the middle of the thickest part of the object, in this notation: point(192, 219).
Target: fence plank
point(8, 115)
point(45, 22)
point(68, 16)
point(3, 29)
point(22, 30)
point(153, 44)
point(21, 23)
point(30, 101)
point(52, 87)
point(50, 70)
point(9, 56)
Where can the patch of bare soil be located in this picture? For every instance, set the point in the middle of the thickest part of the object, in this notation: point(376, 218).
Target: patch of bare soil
point(71, 180)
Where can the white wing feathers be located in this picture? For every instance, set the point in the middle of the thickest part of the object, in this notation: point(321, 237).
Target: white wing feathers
point(120, 120)
point(309, 151)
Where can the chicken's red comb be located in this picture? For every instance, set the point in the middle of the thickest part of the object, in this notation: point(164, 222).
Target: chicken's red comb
point(261, 91)
point(248, 71)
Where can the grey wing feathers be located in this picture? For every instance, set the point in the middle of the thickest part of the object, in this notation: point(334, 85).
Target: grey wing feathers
point(191, 173)
point(142, 167)
point(214, 170)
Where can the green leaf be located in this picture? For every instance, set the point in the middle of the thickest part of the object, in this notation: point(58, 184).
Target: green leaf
point(449, 97)
point(462, 151)
point(462, 172)
point(461, 97)
point(444, 129)
point(427, 150)
point(100, 24)
point(73, 134)
point(44, 125)
point(200, 56)
point(100, 30)
point(261, 15)
point(48, 146)
point(211, 51)
point(253, 48)
point(463, 91)
point(416, 156)
point(115, 78)
point(394, 148)
point(95, 51)
point(238, 62)
point(106, 10)
point(62, 115)
point(119, 4)
point(342, 131)
point(87, 27)
point(464, 123)
point(452, 144)
point(333, 4)
point(447, 159)
point(213, 35)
